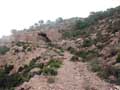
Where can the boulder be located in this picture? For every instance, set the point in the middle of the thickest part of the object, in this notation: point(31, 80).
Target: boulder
point(53, 35)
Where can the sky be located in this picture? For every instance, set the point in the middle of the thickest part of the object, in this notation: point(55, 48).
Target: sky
point(20, 14)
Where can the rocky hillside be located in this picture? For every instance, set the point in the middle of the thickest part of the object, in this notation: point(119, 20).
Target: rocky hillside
point(71, 54)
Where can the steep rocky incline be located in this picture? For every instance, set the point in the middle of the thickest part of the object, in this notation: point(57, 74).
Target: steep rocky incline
point(71, 76)
point(73, 54)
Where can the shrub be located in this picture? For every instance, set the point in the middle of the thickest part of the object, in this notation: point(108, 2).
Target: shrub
point(86, 55)
point(62, 50)
point(95, 66)
point(8, 68)
point(4, 50)
point(29, 49)
point(51, 80)
point(88, 43)
point(9, 81)
point(115, 72)
point(49, 71)
point(118, 76)
point(51, 68)
point(82, 54)
point(29, 67)
point(72, 50)
point(20, 43)
point(32, 63)
point(93, 18)
point(54, 63)
point(118, 58)
point(74, 33)
point(103, 74)
point(81, 24)
point(25, 45)
point(75, 58)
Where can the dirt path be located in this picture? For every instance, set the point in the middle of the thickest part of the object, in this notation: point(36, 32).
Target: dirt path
point(75, 76)
point(71, 76)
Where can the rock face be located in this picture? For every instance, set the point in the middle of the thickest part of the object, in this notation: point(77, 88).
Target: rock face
point(54, 35)
point(25, 36)
point(35, 36)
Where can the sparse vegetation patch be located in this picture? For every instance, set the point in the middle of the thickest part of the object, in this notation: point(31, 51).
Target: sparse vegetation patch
point(4, 50)
point(9, 82)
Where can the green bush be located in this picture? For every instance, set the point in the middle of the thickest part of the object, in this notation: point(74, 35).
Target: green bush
point(28, 68)
point(74, 33)
point(49, 71)
point(4, 50)
point(95, 66)
point(8, 82)
point(80, 27)
point(32, 63)
point(88, 43)
point(82, 54)
point(81, 24)
point(54, 63)
point(51, 68)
